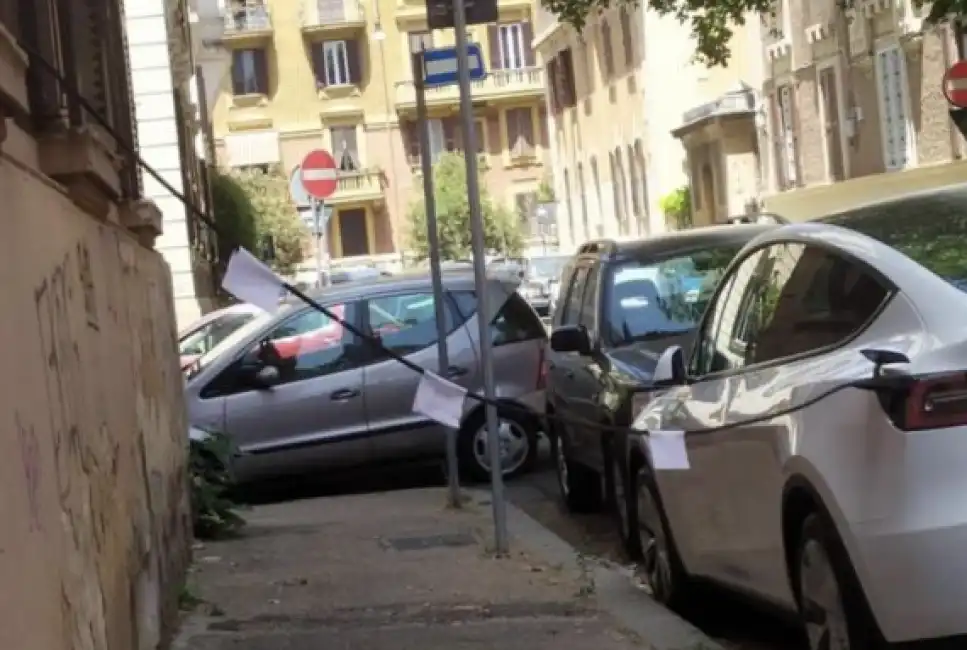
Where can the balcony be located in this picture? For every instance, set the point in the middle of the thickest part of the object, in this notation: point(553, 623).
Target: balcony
point(499, 85)
point(358, 188)
point(247, 24)
point(332, 17)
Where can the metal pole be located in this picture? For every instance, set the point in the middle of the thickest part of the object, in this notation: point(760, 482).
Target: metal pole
point(433, 241)
point(316, 206)
point(480, 275)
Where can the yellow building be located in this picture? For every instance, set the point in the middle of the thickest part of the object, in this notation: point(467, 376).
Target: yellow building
point(336, 74)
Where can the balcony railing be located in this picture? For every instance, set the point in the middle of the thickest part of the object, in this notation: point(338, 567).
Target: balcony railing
point(362, 185)
point(247, 19)
point(329, 15)
point(499, 84)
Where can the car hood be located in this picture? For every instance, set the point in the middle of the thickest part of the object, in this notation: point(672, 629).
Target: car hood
point(638, 360)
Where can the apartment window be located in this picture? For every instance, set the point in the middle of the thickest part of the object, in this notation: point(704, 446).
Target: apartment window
point(892, 87)
point(561, 71)
point(336, 63)
point(596, 179)
point(570, 206)
point(526, 205)
point(250, 72)
point(444, 136)
point(344, 147)
point(510, 46)
point(419, 41)
point(520, 131)
point(627, 39)
point(606, 52)
point(828, 90)
point(633, 177)
point(584, 203)
point(639, 158)
point(787, 167)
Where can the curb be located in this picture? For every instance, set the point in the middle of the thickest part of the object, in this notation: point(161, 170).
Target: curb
point(614, 591)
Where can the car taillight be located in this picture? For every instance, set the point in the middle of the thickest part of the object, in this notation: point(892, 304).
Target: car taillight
point(931, 402)
point(542, 370)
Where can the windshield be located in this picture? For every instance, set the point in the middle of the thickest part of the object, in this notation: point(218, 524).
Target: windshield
point(931, 230)
point(548, 267)
point(230, 341)
point(662, 298)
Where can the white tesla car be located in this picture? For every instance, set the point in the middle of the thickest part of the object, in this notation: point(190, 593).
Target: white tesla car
point(824, 411)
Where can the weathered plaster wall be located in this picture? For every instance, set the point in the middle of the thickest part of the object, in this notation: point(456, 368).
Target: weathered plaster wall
point(96, 531)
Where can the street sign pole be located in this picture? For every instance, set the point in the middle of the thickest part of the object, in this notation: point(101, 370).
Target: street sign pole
point(433, 241)
point(480, 274)
point(319, 230)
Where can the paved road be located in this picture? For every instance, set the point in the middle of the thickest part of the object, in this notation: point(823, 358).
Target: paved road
point(720, 615)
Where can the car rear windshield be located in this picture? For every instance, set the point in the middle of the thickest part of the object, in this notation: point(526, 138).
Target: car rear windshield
point(931, 230)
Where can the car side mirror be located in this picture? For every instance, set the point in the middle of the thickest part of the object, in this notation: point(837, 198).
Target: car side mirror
point(267, 377)
point(571, 338)
point(670, 370)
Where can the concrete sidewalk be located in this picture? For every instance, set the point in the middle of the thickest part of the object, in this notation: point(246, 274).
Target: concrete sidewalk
point(399, 571)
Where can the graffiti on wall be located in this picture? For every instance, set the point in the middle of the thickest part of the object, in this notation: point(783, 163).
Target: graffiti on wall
point(30, 459)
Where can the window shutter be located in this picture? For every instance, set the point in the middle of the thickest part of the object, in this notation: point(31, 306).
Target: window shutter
point(493, 41)
point(354, 59)
point(411, 142)
point(526, 120)
point(238, 76)
point(567, 75)
point(513, 129)
point(319, 65)
point(550, 78)
point(262, 70)
point(528, 33)
point(545, 133)
point(493, 132)
point(451, 134)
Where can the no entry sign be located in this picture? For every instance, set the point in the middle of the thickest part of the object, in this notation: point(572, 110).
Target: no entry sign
point(319, 174)
point(955, 84)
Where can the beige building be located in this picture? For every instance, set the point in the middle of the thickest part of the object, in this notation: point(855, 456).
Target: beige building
point(289, 76)
point(854, 109)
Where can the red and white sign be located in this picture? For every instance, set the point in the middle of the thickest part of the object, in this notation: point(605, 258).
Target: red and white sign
point(319, 174)
point(955, 84)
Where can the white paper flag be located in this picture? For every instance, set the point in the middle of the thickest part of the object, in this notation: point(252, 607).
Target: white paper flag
point(439, 400)
point(668, 450)
point(248, 279)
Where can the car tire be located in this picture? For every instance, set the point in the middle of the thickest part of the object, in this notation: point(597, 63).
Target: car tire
point(625, 515)
point(832, 608)
point(579, 486)
point(660, 569)
point(521, 427)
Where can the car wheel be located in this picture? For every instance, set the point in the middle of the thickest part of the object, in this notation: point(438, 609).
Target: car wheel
point(518, 436)
point(624, 514)
point(832, 607)
point(660, 569)
point(580, 486)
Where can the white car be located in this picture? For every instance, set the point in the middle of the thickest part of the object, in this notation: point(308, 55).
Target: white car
point(824, 411)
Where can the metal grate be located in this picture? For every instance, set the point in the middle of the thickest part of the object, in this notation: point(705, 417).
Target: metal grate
point(424, 542)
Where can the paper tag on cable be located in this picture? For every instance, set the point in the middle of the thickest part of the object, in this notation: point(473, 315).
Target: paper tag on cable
point(440, 400)
point(668, 449)
point(249, 280)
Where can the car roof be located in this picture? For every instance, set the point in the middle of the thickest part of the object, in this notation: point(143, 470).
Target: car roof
point(238, 308)
point(676, 243)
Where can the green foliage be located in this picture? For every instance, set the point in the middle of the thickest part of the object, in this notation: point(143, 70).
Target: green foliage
point(235, 215)
point(276, 217)
point(677, 208)
point(713, 22)
point(545, 192)
point(501, 227)
point(214, 513)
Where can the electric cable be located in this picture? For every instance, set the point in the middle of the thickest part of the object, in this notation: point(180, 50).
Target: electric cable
point(374, 342)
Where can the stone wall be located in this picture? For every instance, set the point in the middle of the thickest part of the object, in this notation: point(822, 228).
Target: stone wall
point(95, 538)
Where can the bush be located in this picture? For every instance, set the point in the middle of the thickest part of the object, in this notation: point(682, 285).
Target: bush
point(214, 513)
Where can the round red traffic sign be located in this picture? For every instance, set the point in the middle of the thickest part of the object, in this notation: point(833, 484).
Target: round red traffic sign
point(955, 84)
point(319, 174)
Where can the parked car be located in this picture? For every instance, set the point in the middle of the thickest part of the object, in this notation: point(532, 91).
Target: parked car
point(622, 304)
point(209, 330)
point(848, 511)
point(539, 277)
point(299, 392)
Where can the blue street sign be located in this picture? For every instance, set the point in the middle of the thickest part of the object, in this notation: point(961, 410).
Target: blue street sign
point(440, 65)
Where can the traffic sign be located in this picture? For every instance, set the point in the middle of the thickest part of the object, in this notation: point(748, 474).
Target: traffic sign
point(439, 13)
point(319, 176)
point(955, 84)
point(440, 65)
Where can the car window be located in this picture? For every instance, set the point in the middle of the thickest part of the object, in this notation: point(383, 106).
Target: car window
point(929, 229)
point(647, 299)
point(515, 322)
point(825, 300)
point(571, 314)
point(308, 345)
point(407, 323)
point(589, 303)
point(213, 333)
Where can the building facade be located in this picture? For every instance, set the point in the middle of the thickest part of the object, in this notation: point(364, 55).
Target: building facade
point(854, 108)
point(288, 76)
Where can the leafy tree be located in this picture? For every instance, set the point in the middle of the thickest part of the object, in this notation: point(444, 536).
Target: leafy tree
point(277, 224)
point(677, 208)
point(234, 214)
point(712, 22)
point(501, 228)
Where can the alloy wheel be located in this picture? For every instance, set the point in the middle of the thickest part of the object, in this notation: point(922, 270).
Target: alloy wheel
point(514, 446)
point(822, 601)
point(655, 569)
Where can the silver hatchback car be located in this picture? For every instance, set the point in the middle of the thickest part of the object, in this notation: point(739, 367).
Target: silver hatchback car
point(298, 392)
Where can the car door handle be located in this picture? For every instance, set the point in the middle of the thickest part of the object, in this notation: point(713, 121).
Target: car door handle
point(343, 394)
point(456, 371)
